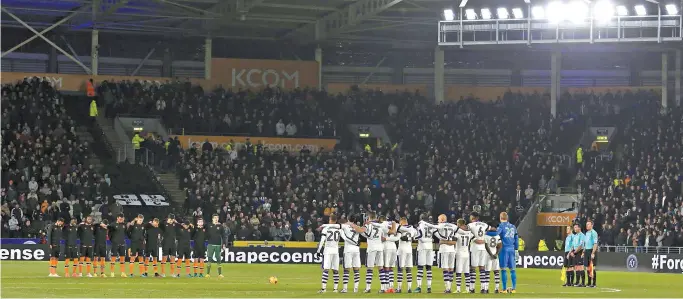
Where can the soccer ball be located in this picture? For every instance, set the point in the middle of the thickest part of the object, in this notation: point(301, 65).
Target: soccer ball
point(273, 280)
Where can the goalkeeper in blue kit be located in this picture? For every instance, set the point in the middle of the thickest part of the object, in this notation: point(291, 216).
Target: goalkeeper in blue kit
point(509, 253)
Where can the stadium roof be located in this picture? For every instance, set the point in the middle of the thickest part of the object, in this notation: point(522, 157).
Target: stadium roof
point(401, 23)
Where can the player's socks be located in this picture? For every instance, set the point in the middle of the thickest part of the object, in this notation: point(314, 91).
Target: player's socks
point(178, 266)
point(66, 267)
point(141, 265)
point(345, 279)
point(87, 265)
point(485, 280)
point(409, 276)
point(391, 278)
point(513, 277)
point(399, 278)
point(467, 281)
point(80, 264)
point(429, 277)
point(156, 265)
point(445, 278)
point(323, 279)
point(496, 274)
point(163, 265)
point(356, 278)
point(569, 274)
point(381, 278)
point(195, 265)
point(220, 269)
point(122, 264)
point(419, 276)
point(504, 278)
point(103, 262)
point(336, 278)
point(201, 267)
point(368, 278)
point(172, 262)
point(595, 277)
point(187, 266)
point(583, 277)
point(458, 281)
point(208, 268)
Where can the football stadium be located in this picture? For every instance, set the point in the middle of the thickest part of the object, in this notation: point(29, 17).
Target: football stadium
point(341, 148)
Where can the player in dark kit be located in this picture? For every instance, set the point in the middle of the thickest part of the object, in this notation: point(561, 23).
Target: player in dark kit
point(136, 233)
point(71, 252)
point(214, 236)
point(152, 238)
point(199, 250)
point(117, 236)
point(168, 248)
point(184, 250)
point(54, 238)
point(86, 232)
point(101, 233)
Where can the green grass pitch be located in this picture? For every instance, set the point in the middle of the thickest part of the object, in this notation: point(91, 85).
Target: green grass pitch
point(29, 279)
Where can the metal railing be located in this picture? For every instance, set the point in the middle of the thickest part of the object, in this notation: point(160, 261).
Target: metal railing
point(642, 249)
point(144, 155)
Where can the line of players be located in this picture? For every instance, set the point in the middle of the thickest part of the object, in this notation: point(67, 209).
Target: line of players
point(463, 249)
point(86, 245)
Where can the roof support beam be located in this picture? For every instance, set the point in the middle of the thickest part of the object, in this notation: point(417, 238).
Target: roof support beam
point(341, 20)
point(227, 10)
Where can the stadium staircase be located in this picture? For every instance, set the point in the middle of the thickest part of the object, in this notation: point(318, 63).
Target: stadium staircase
point(84, 136)
point(171, 183)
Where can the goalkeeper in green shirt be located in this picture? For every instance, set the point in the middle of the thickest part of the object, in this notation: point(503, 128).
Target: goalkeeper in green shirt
point(214, 236)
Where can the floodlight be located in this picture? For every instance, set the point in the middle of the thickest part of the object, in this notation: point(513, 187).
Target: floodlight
point(603, 11)
point(503, 13)
point(538, 12)
point(556, 12)
point(671, 9)
point(622, 11)
point(485, 14)
point(470, 14)
point(448, 14)
point(463, 3)
point(640, 10)
point(577, 12)
point(517, 13)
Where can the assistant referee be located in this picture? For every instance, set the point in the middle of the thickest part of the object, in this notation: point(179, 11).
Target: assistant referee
point(591, 253)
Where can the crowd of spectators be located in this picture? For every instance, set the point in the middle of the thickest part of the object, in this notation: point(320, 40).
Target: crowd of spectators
point(45, 167)
point(637, 202)
point(451, 158)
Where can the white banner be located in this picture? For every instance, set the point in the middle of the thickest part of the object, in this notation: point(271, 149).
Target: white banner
point(137, 200)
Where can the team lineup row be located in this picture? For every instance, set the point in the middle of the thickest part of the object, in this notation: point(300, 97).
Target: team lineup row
point(463, 249)
point(86, 245)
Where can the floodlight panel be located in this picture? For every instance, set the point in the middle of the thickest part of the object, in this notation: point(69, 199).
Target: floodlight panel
point(470, 14)
point(556, 12)
point(503, 13)
point(622, 11)
point(485, 13)
point(448, 14)
point(640, 10)
point(517, 13)
point(537, 12)
point(603, 11)
point(671, 9)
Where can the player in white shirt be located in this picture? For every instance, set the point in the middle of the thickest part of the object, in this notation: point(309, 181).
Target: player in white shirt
point(351, 256)
point(329, 248)
point(405, 254)
point(446, 233)
point(462, 256)
point(390, 256)
point(425, 252)
point(493, 245)
point(478, 251)
point(373, 232)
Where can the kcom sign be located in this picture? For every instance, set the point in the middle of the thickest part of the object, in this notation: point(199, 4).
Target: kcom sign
point(555, 219)
point(258, 74)
point(264, 78)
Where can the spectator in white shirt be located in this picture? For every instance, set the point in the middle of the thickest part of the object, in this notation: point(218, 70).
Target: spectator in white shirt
point(529, 193)
point(291, 129)
point(280, 128)
point(33, 185)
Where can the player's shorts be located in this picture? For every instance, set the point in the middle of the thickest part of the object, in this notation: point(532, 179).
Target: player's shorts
point(405, 258)
point(136, 249)
point(462, 263)
point(425, 257)
point(169, 250)
point(184, 252)
point(507, 259)
point(86, 251)
point(446, 260)
point(478, 258)
point(199, 252)
point(587, 259)
point(330, 261)
point(152, 251)
point(374, 258)
point(351, 260)
point(578, 259)
point(492, 264)
point(390, 257)
point(567, 260)
point(100, 250)
point(55, 251)
point(118, 250)
point(71, 252)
